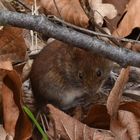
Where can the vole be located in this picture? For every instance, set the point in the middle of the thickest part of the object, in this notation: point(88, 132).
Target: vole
point(62, 75)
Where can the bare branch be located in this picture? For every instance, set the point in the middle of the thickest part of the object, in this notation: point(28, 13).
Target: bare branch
point(122, 56)
point(90, 32)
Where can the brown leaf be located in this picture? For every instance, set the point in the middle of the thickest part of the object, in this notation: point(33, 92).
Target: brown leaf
point(3, 133)
point(30, 2)
point(5, 65)
point(125, 126)
point(12, 44)
point(116, 93)
point(136, 47)
point(69, 10)
point(101, 10)
point(16, 122)
point(119, 132)
point(120, 6)
point(70, 128)
point(10, 110)
point(19, 68)
point(98, 117)
point(130, 19)
point(133, 107)
point(6, 5)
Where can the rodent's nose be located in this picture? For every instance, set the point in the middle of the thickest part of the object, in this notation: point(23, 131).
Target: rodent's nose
point(90, 92)
point(93, 90)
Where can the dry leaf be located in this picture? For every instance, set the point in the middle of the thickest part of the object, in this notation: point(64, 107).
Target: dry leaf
point(19, 68)
point(136, 47)
point(10, 110)
point(6, 5)
point(129, 121)
point(6, 65)
point(130, 19)
point(3, 134)
point(69, 10)
point(70, 128)
point(2, 5)
point(31, 2)
point(16, 123)
point(120, 5)
point(1, 27)
point(116, 93)
point(12, 44)
point(98, 117)
point(102, 10)
point(133, 107)
point(23, 125)
point(125, 126)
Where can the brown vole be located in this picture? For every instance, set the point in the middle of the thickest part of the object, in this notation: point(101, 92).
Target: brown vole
point(62, 74)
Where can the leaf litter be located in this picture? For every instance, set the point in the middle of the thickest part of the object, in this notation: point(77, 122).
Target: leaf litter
point(113, 119)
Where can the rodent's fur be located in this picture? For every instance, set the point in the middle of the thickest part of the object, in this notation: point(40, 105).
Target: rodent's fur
point(62, 74)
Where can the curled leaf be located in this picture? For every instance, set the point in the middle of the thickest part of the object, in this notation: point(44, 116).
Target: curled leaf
point(116, 93)
point(102, 10)
point(69, 10)
point(70, 128)
point(130, 19)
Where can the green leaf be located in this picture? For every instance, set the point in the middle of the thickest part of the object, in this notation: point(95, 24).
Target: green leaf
point(30, 114)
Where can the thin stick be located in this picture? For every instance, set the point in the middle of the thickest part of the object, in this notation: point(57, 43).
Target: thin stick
point(89, 32)
point(57, 9)
point(21, 3)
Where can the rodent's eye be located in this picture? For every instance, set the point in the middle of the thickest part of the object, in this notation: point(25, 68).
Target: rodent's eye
point(99, 72)
point(80, 75)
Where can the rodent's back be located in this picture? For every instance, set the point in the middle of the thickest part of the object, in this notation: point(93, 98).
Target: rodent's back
point(61, 74)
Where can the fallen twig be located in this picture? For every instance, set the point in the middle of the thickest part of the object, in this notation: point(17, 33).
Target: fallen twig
point(122, 56)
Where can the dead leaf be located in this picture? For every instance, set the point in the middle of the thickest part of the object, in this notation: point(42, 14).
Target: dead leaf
point(98, 117)
point(136, 47)
point(12, 44)
point(133, 107)
point(116, 93)
point(5, 65)
point(130, 19)
point(26, 70)
point(31, 2)
point(1, 27)
point(3, 133)
point(120, 6)
point(6, 5)
point(10, 110)
point(2, 6)
point(70, 128)
point(119, 132)
point(125, 126)
point(19, 68)
point(102, 10)
point(69, 10)
point(16, 121)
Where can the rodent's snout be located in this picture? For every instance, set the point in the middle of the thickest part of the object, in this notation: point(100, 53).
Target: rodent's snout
point(89, 91)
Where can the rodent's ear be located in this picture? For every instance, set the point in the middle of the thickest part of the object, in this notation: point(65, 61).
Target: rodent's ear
point(75, 53)
point(72, 51)
point(79, 54)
